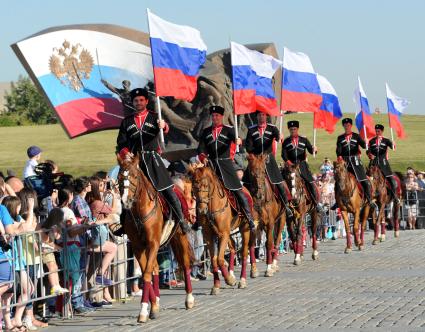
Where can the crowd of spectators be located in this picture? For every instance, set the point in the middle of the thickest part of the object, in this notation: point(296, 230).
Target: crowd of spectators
point(52, 241)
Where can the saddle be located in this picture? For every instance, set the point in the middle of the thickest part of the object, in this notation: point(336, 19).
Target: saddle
point(165, 207)
point(234, 202)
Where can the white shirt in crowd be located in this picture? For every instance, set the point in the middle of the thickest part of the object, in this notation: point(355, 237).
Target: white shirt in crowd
point(29, 168)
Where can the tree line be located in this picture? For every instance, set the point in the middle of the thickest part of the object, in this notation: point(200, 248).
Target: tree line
point(25, 105)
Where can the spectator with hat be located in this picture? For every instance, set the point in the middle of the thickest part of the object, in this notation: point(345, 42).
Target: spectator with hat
point(34, 155)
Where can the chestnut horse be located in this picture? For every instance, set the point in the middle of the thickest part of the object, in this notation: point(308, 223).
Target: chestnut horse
point(302, 205)
point(270, 209)
point(349, 200)
point(144, 223)
point(217, 217)
point(383, 198)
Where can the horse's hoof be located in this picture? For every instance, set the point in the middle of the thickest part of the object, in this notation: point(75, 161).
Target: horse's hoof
point(143, 314)
point(215, 291)
point(269, 273)
point(154, 314)
point(254, 274)
point(375, 242)
point(190, 301)
point(361, 247)
point(142, 319)
point(302, 257)
point(382, 239)
point(347, 250)
point(242, 283)
point(315, 257)
point(275, 268)
point(231, 280)
point(297, 261)
point(396, 233)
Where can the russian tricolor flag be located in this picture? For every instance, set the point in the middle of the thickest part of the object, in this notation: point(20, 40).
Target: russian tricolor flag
point(364, 120)
point(300, 88)
point(252, 80)
point(330, 111)
point(178, 52)
point(396, 106)
point(96, 51)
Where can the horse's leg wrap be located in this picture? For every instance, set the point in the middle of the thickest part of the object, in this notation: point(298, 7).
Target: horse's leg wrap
point(243, 269)
point(187, 282)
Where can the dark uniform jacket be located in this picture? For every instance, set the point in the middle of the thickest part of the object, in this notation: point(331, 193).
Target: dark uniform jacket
point(258, 144)
point(350, 151)
point(380, 153)
point(218, 152)
point(145, 141)
point(298, 155)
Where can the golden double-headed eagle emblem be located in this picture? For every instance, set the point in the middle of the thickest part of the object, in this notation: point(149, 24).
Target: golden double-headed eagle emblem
point(71, 64)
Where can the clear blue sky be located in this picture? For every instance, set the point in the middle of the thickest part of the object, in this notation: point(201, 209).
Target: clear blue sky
point(382, 41)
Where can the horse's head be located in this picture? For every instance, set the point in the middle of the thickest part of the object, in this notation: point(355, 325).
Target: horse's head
point(202, 179)
point(292, 176)
point(341, 173)
point(128, 179)
point(257, 174)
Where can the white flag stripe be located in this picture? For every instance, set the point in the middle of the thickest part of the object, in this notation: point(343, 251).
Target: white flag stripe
point(399, 103)
point(182, 35)
point(263, 64)
point(113, 51)
point(325, 85)
point(297, 61)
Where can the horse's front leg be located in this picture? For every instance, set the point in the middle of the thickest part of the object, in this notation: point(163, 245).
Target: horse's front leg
point(376, 224)
point(246, 239)
point(356, 227)
point(210, 239)
point(382, 222)
point(269, 245)
point(396, 222)
point(183, 252)
point(348, 247)
point(314, 218)
point(364, 217)
point(222, 245)
point(298, 243)
point(279, 227)
point(148, 291)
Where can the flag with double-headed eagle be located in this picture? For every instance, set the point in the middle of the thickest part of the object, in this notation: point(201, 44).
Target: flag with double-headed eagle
point(81, 70)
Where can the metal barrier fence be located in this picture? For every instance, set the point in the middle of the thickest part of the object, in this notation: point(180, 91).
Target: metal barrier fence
point(31, 247)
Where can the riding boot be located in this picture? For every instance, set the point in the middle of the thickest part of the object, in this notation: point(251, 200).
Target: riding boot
point(367, 188)
point(313, 193)
point(243, 202)
point(393, 189)
point(282, 194)
point(175, 205)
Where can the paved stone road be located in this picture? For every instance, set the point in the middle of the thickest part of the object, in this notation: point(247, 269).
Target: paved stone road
point(379, 289)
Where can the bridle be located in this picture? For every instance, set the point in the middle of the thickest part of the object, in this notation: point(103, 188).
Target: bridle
point(210, 194)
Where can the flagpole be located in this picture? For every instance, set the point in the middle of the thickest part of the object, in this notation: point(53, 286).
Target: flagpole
point(314, 139)
point(233, 95)
point(158, 104)
point(280, 104)
point(391, 130)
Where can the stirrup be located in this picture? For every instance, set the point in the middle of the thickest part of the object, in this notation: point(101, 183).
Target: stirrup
point(289, 213)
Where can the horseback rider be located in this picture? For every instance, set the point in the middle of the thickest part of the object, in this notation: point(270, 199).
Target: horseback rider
point(215, 143)
point(294, 152)
point(138, 134)
point(348, 149)
point(378, 155)
point(260, 139)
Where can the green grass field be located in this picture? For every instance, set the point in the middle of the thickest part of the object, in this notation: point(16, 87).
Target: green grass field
point(88, 154)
